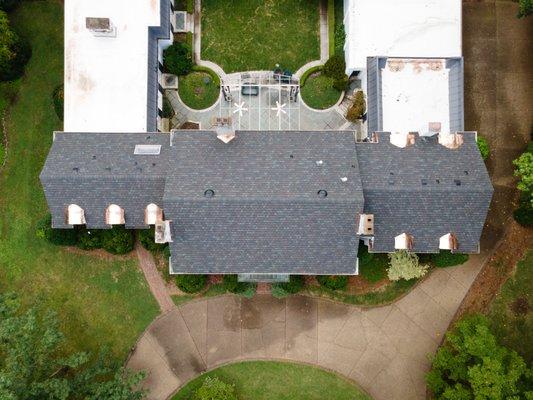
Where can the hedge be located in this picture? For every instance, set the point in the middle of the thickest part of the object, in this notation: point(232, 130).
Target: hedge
point(372, 266)
point(295, 284)
point(524, 214)
point(117, 240)
point(90, 239)
point(147, 239)
point(231, 284)
point(448, 259)
point(59, 237)
point(58, 100)
point(191, 283)
point(335, 67)
point(333, 282)
point(15, 68)
point(308, 72)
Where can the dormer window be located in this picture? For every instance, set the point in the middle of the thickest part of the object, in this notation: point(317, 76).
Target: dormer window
point(448, 242)
point(403, 242)
point(153, 214)
point(114, 215)
point(451, 140)
point(75, 215)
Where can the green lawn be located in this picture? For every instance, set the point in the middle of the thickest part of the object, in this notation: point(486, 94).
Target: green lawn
point(195, 92)
point(244, 35)
point(318, 92)
point(99, 302)
point(266, 380)
point(511, 314)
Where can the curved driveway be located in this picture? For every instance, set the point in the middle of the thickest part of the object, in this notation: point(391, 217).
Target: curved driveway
point(383, 349)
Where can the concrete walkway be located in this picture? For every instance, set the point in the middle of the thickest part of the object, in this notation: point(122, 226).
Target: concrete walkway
point(383, 349)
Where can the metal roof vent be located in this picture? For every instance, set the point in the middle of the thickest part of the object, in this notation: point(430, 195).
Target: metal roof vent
point(147, 149)
point(322, 193)
point(319, 163)
point(344, 179)
point(75, 215)
point(100, 26)
point(209, 193)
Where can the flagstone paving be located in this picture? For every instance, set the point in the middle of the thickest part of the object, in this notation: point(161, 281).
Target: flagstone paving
point(384, 349)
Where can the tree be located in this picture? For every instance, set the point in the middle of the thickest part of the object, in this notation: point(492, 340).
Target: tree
point(358, 108)
point(525, 8)
point(215, 389)
point(335, 67)
point(471, 365)
point(405, 265)
point(14, 52)
point(9, 5)
point(177, 59)
point(524, 170)
point(34, 363)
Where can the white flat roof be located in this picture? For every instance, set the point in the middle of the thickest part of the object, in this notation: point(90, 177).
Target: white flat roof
point(106, 77)
point(414, 94)
point(401, 28)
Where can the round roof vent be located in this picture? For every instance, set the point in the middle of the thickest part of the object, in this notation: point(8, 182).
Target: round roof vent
point(322, 193)
point(209, 193)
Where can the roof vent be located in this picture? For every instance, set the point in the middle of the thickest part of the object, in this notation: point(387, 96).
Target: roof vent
point(403, 241)
point(322, 193)
point(147, 149)
point(457, 182)
point(319, 163)
point(344, 179)
point(225, 133)
point(366, 224)
point(100, 26)
point(209, 193)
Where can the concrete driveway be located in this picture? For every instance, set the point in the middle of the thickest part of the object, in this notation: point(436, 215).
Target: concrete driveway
point(384, 349)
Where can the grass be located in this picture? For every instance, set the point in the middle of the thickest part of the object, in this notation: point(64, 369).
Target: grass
point(99, 302)
point(384, 296)
point(372, 266)
point(244, 35)
point(195, 92)
point(331, 27)
point(265, 380)
point(511, 313)
point(318, 92)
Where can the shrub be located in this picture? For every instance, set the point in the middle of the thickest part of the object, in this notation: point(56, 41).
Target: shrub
point(307, 73)
point(524, 214)
point(117, 240)
point(58, 237)
point(524, 171)
point(177, 59)
point(90, 239)
point(405, 265)
point(191, 283)
point(333, 282)
point(335, 67)
point(146, 237)
point(9, 5)
point(16, 53)
point(372, 266)
point(231, 284)
point(483, 147)
point(358, 108)
point(340, 39)
point(472, 365)
point(341, 83)
point(215, 389)
point(58, 100)
point(448, 259)
point(282, 289)
point(525, 8)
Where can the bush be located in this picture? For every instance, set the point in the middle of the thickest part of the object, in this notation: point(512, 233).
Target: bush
point(525, 8)
point(524, 171)
point(472, 365)
point(372, 266)
point(90, 239)
point(340, 39)
point(282, 289)
point(341, 83)
point(177, 59)
point(58, 100)
point(231, 284)
point(404, 265)
point(358, 108)
point(307, 73)
point(483, 147)
point(16, 57)
point(333, 282)
point(58, 237)
point(191, 283)
point(448, 259)
point(524, 214)
point(335, 67)
point(117, 240)
point(147, 239)
point(9, 5)
point(215, 389)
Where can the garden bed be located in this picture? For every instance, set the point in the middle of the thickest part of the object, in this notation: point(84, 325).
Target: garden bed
point(199, 89)
point(318, 91)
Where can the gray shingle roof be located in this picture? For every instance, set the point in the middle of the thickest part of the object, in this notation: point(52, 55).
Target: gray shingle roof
point(426, 190)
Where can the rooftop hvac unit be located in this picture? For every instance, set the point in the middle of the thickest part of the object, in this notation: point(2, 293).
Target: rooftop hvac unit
point(100, 27)
point(180, 21)
point(169, 81)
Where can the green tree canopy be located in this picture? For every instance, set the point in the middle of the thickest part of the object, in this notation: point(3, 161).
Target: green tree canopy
point(405, 265)
point(525, 8)
point(472, 365)
point(524, 170)
point(7, 40)
point(35, 365)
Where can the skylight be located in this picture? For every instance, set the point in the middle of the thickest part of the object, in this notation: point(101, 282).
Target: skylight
point(147, 149)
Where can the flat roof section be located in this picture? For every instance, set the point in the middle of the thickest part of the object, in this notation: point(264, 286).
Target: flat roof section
point(414, 94)
point(106, 73)
point(407, 28)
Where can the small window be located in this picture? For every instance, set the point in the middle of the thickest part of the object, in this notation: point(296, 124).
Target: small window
point(147, 149)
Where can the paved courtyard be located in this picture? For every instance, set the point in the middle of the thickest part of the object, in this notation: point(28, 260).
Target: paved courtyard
point(383, 349)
